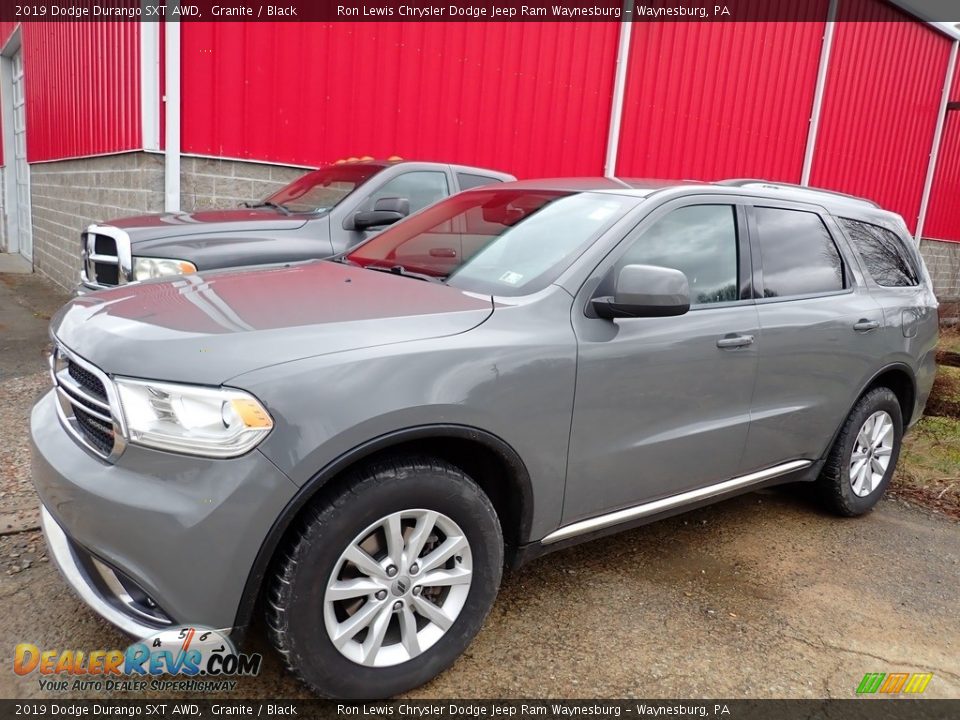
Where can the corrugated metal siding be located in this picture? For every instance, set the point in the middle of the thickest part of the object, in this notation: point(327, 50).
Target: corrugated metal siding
point(880, 107)
point(530, 98)
point(712, 100)
point(83, 88)
point(943, 215)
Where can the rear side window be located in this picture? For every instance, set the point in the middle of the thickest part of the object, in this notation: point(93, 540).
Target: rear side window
point(468, 181)
point(886, 257)
point(797, 253)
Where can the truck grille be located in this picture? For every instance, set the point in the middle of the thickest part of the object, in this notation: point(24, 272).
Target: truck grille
point(105, 254)
point(86, 404)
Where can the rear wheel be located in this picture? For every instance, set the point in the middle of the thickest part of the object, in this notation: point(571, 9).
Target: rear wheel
point(388, 581)
point(864, 455)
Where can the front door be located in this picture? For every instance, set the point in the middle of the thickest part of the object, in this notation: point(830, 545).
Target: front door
point(662, 405)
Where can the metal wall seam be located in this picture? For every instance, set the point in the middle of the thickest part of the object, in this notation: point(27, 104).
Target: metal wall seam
point(937, 135)
point(619, 87)
point(818, 93)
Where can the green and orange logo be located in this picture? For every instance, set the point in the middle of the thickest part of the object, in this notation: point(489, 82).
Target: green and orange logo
point(894, 683)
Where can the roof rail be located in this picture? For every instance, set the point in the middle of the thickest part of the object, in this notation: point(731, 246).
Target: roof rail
point(753, 182)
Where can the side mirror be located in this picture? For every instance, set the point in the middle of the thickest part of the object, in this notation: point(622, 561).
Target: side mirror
point(645, 291)
point(386, 211)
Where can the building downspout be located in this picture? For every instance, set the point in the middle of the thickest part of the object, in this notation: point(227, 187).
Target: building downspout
point(937, 134)
point(619, 87)
point(822, 71)
point(171, 165)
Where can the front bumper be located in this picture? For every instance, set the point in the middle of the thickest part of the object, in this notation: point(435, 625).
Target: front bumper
point(176, 535)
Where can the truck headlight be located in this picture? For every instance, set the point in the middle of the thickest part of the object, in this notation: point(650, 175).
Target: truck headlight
point(212, 422)
point(145, 268)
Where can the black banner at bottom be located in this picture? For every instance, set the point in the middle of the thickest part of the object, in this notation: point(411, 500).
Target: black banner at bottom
point(874, 708)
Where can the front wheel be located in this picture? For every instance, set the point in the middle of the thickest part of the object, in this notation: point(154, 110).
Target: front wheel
point(388, 581)
point(864, 455)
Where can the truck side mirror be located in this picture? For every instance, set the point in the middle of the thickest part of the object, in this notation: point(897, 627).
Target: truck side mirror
point(645, 291)
point(386, 211)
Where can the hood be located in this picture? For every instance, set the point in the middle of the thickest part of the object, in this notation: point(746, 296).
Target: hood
point(166, 225)
point(209, 327)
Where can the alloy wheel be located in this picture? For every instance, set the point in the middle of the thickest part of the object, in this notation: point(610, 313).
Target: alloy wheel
point(397, 588)
point(871, 453)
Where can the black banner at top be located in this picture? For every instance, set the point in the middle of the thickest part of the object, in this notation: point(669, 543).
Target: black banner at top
point(638, 11)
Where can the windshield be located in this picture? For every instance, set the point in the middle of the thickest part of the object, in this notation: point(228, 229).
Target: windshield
point(321, 189)
point(498, 242)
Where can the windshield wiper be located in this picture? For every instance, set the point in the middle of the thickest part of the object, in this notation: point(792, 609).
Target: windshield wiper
point(270, 204)
point(401, 270)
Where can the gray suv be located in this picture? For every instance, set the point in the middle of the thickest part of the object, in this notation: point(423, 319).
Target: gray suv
point(357, 446)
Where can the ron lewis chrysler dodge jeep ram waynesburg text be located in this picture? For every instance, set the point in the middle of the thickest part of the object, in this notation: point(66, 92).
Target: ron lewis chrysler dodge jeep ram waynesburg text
point(363, 442)
point(323, 213)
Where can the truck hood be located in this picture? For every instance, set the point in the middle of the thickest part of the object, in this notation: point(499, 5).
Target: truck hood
point(209, 327)
point(141, 228)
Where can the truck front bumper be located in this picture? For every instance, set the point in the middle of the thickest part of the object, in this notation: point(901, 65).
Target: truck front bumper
point(156, 539)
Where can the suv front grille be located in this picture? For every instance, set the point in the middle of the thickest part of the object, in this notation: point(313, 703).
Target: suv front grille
point(86, 404)
point(87, 379)
point(105, 254)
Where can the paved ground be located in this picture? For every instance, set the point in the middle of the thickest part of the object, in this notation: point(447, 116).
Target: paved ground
point(761, 596)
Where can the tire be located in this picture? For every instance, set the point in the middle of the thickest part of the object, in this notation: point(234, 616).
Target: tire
point(303, 613)
point(844, 490)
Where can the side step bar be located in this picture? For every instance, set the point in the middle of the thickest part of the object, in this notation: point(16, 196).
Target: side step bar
point(652, 508)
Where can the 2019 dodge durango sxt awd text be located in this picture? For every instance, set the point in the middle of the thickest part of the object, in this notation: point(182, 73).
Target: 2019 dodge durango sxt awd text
point(364, 442)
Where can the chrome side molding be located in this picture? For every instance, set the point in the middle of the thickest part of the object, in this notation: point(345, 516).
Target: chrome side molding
point(600, 522)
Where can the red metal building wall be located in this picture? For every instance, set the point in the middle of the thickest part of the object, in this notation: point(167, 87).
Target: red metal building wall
point(943, 214)
point(83, 88)
point(706, 101)
point(880, 107)
point(530, 98)
point(82, 83)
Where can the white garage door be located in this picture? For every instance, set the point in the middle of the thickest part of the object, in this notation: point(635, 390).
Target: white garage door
point(21, 169)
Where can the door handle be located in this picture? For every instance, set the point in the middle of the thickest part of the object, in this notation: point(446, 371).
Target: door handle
point(734, 341)
point(865, 325)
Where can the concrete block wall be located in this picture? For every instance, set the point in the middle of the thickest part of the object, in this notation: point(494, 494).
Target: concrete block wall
point(70, 194)
point(943, 262)
point(215, 183)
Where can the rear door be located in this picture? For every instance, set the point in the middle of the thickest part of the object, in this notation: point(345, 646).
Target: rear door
point(820, 332)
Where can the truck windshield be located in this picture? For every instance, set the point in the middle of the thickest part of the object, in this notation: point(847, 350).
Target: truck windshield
point(499, 242)
point(321, 189)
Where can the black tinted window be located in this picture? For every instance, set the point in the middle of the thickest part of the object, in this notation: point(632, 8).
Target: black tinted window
point(883, 252)
point(798, 255)
point(468, 181)
point(701, 242)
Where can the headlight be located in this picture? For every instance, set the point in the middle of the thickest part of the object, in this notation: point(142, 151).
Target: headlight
point(213, 422)
point(146, 268)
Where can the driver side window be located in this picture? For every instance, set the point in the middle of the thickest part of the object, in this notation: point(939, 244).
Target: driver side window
point(698, 240)
point(421, 188)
